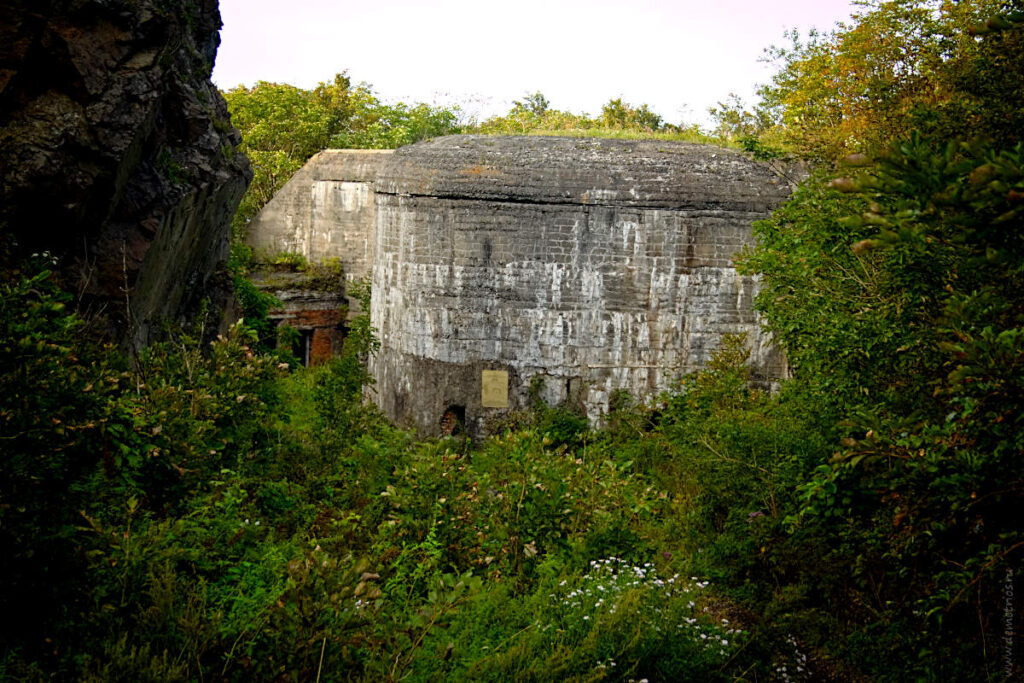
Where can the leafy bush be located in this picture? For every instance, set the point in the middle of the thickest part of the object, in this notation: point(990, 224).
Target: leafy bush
point(929, 469)
point(613, 621)
point(618, 119)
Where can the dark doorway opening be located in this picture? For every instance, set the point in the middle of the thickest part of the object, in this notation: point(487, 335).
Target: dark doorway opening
point(453, 421)
point(341, 333)
point(303, 346)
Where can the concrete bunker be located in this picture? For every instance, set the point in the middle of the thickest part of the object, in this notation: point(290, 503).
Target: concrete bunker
point(596, 265)
point(323, 221)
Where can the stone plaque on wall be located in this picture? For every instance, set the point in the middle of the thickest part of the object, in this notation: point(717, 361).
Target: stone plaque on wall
point(495, 389)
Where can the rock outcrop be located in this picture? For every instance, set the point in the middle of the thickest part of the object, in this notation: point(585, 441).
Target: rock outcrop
point(326, 211)
point(578, 267)
point(117, 154)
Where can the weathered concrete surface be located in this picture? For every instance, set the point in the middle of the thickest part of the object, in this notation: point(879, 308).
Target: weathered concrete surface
point(596, 265)
point(117, 154)
point(326, 211)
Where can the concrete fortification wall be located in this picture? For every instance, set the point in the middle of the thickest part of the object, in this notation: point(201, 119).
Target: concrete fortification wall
point(579, 266)
point(326, 211)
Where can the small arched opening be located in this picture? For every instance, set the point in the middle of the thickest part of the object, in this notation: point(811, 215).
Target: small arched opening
point(453, 420)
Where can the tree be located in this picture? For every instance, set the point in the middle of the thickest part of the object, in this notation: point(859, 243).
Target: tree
point(896, 294)
point(734, 121)
point(283, 126)
point(900, 65)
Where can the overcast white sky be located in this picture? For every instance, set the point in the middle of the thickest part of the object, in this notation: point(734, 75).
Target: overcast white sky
point(679, 57)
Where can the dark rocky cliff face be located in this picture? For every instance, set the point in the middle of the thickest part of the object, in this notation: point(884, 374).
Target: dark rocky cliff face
point(117, 154)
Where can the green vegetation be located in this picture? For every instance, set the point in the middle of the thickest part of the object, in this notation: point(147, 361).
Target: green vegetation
point(204, 514)
point(208, 514)
point(534, 116)
point(947, 70)
point(283, 126)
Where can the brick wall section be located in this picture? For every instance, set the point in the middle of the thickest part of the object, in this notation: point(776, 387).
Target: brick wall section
point(326, 345)
point(306, 308)
point(327, 337)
